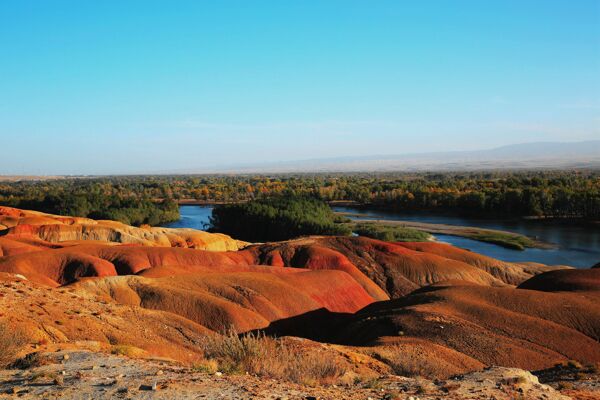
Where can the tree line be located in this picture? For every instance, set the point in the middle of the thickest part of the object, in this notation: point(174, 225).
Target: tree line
point(127, 203)
point(573, 194)
point(277, 218)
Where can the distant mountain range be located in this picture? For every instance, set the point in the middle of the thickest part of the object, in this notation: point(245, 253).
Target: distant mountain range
point(539, 155)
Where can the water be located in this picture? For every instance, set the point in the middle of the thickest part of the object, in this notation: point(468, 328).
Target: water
point(195, 217)
point(578, 246)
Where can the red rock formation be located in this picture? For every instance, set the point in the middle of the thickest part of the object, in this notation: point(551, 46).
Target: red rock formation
point(242, 300)
point(57, 229)
point(396, 268)
point(497, 326)
point(572, 280)
point(451, 307)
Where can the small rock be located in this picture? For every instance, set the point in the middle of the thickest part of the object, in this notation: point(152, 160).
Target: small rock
point(148, 387)
point(66, 357)
point(159, 372)
point(16, 389)
point(59, 380)
point(218, 373)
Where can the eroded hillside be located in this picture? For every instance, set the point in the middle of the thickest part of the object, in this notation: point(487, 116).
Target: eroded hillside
point(374, 308)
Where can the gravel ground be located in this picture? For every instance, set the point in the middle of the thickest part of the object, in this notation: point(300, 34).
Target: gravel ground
point(78, 374)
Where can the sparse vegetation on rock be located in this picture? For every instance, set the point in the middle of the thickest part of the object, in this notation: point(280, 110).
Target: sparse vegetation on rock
point(270, 357)
point(12, 341)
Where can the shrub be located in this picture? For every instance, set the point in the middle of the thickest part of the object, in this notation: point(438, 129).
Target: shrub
point(127, 350)
point(265, 356)
point(408, 365)
point(237, 353)
point(391, 233)
point(206, 366)
point(508, 240)
point(31, 360)
point(564, 386)
point(573, 364)
point(11, 342)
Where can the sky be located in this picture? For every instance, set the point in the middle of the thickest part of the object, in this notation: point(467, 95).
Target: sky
point(103, 87)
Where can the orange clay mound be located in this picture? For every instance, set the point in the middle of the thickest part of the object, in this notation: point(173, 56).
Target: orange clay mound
point(572, 280)
point(415, 356)
point(55, 229)
point(161, 290)
point(67, 316)
point(240, 300)
point(511, 273)
point(397, 268)
point(496, 326)
point(383, 269)
point(69, 263)
point(10, 246)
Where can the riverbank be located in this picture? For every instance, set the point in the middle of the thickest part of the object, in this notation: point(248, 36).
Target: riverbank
point(506, 239)
point(194, 202)
point(502, 238)
point(368, 206)
point(572, 244)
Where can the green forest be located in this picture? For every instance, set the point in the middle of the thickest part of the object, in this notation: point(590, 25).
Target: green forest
point(278, 218)
point(129, 203)
point(152, 199)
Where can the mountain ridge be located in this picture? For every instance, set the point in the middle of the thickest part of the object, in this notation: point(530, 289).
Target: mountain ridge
point(533, 155)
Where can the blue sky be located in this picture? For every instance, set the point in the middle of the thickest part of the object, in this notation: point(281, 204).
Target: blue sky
point(94, 87)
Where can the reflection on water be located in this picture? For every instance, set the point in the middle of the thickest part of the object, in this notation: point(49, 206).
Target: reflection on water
point(578, 245)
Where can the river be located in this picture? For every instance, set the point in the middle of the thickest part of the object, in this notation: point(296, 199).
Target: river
point(577, 245)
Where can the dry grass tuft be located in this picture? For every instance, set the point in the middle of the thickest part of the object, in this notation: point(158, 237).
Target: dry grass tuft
point(574, 364)
point(564, 386)
point(274, 358)
point(405, 364)
point(206, 366)
point(127, 350)
point(11, 342)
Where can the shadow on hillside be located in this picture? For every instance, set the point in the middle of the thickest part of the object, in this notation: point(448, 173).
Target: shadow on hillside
point(322, 325)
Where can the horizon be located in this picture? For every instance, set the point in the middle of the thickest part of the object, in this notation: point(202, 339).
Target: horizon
point(135, 88)
point(586, 161)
